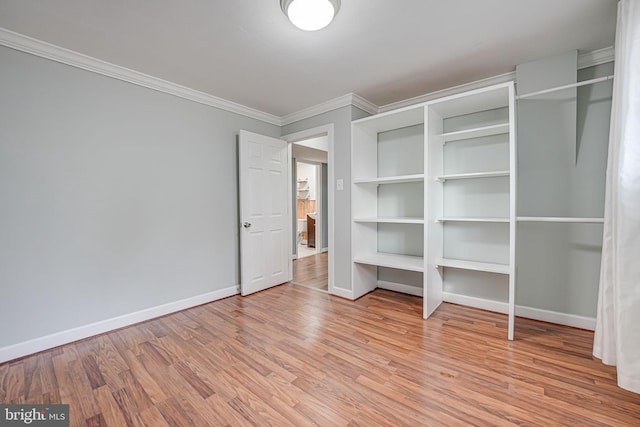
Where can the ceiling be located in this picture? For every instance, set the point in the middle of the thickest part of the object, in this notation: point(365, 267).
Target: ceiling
point(246, 51)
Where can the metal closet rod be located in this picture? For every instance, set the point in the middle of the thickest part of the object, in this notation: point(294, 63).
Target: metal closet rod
point(569, 86)
point(560, 219)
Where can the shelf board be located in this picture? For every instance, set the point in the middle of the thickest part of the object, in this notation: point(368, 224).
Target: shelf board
point(575, 220)
point(402, 262)
point(395, 119)
point(398, 220)
point(476, 133)
point(451, 219)
point(473, 265)
point(482, 99)
point(492, 174)
point(391, 179)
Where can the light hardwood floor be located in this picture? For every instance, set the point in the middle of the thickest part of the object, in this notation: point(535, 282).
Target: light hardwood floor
point(312, 271)
point(294, 356)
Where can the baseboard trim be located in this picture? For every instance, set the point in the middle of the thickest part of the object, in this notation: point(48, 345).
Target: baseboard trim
point(481, 303)
point(573, 320)
point(47, 342)
point(400, 287)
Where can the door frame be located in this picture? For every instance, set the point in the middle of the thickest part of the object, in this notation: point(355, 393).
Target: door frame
point(329, 131)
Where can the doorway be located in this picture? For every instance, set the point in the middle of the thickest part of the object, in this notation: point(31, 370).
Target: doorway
point(311, 206)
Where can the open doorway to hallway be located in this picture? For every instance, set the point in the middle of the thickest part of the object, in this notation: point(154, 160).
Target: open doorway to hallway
point(310, 228)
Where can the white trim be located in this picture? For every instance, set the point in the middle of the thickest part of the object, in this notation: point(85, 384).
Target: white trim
point(330, 105)
point(596, 57)
point(363, 104)
point(400, 287)
point(342, 292)
point(328, 130)
point(481, 303)
point(64, 337)
point(573, 320)
point(65, 56)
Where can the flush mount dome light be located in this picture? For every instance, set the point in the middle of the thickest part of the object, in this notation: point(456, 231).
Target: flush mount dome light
point(310, 15)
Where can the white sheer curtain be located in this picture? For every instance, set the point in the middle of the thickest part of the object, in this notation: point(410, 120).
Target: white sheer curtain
point(617, 337)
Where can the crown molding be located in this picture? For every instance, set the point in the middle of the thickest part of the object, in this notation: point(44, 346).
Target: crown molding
point(596, 57)
point(330, 105)
point(46, 50)
point(364, 104)
point(502, 78)
point(65, 56)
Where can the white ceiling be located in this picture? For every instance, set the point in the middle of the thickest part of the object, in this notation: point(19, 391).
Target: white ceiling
point(246, 51)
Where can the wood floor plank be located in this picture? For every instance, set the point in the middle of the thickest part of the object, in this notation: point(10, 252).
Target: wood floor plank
point(151, 417)
point(291, 355)
point(312, 271)
point(109, 408)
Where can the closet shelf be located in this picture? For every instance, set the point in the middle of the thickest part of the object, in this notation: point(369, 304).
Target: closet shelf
point(402, 262)
point(451, 219)
point(397, 220)
point(476, 133)
point(391, 179)
point(492, 174)
point(564, 219)
point(473, 265)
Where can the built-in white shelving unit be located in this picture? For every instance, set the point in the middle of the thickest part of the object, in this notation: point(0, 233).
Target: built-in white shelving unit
point(387, 196)
point(433, 192)
point(470, 175)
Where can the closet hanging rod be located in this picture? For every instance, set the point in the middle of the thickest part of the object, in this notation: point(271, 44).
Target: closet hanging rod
point(575, 220)
point(569, 86)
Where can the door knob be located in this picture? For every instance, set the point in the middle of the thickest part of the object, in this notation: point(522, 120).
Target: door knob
point(246, 225)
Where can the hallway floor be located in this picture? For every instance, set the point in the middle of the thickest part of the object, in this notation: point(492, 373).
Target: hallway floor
point(312, 271)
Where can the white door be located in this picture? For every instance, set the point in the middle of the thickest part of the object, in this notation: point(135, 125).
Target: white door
point(264, 218)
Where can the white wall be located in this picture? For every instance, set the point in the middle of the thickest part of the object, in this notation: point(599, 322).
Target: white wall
point(114, 198)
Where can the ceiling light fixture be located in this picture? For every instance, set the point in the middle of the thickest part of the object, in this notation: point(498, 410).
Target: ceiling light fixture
point(310, 15)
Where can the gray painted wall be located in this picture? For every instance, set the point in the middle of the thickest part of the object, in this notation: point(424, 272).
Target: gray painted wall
point(559, 264)
point(115, 198)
